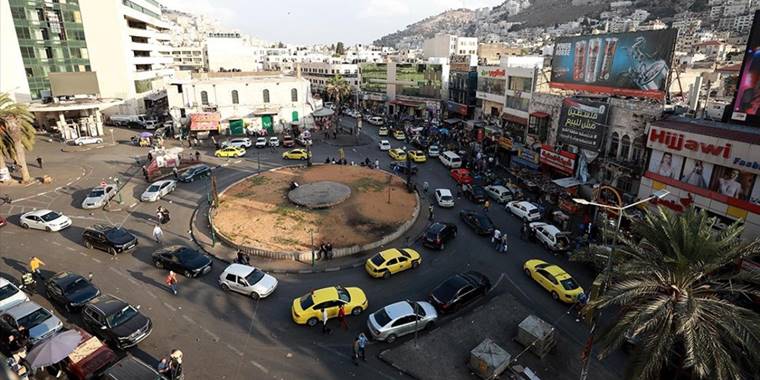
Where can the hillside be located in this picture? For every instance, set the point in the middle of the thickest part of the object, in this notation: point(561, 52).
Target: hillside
point(450, 21)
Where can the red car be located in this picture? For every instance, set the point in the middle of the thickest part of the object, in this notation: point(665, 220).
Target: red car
point(461, 176)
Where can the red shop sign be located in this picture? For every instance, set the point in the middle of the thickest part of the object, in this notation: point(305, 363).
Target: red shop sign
point(563, 161)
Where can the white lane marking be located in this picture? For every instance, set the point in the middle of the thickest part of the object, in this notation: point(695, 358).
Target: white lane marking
point(70, 249)
point(212, 335)
point(132, 280)
point(188, 319)
point(235, 350)
point(82, 253)
point(259, 366)
point(96, 260)
point(151, 294)
point(170, 307)
point(112, 269)
point(133, 205)
point(56, 243)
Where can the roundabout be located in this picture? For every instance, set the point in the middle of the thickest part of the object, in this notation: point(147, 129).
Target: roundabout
point(289, 210)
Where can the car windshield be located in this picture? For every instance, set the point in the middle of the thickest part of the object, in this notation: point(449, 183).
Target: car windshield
point(254, 277)
point(8, 291)
point(377, 260)
point(382, 318)
point(153, 189)
point(121, 316)
point(569, 284)
point(78, 284)
point(117, 234)
point(343, 295)
point(35, 318)
point(96, 193)
point(533, 211)
point(306, 302)
point(51, 216)
point(446, 197)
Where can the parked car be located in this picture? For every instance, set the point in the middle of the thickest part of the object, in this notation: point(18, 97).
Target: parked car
point(438, 233)
point(392, 261)
point(287, 141)
point(194, 172)
point(247, 280)
point(40, 322)
point(399, 135)
point(417, 155)
point(86, 140)
point(70, 290)
point(238, 142)
point(433, 151)
point(524, 210)
point(261, 142)
point(384, 145)
point(296, 154)
point(461, 176)
point(89, 358)
point(500, 194)
point(108, 238)
point(550, 236)
point(10, 295)
point(99, 196)
point(158, 190)
point(131, 368)
point(459, 290)
point(399, 319)
point(303, 140)
point(44, 219)
point(308, 308)
point(274, 141)
point(376, 120)
point(382, 131)
point(554, 279)
point(116, 321)
point(397, 154)
point(478, 221)
point(401, 168)
point(474, 193)
point(184, 260)
point(230, 151)
point(444, 198)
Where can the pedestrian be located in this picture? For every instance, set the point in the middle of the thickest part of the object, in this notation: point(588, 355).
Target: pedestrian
point(486, 205)
point(342, 317)
point(425, 186)
point(580, 303)
point(171, 280)
point(363, 346)
point(329, 250)
point(524, 231)
point(175, 172)
point(504, 243)
point(34, 265)
point(325, 329)
point(377, 164)
point(39, 162)
point(496, 236)
point(430, 213)
point(158, 234)
point(355, 349)
point(197, 155)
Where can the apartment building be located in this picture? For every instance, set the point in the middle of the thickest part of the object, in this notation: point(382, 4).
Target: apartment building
point(230, 51)
point(444, 45)
point(320, 73)
point(189, 58)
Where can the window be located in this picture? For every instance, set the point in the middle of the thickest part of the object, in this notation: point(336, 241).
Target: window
point(614, 143)
point(625, 147)
point(204, 98)
point(18, 13)
point(514, 102)
point(23, 33)
point(520, 84)
point(29, 72)
point(27, 52)
point(293, 95)
point(235, 98)
point(266, 96)
point(48, 52)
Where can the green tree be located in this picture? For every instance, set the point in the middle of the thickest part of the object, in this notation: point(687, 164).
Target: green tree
point(338, 89)
point(340, 49)
point(16, 133)
point(674, 293)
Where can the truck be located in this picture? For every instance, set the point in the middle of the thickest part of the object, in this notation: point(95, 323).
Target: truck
point(132, 121)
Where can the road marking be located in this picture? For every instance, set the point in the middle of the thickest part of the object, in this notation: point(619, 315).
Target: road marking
point(212, 335)
point(133, 205)
point(96, 260)
point(170, 307)
point(188, 319)
point(82, 253)
point(259, 366)
point(56, 243)
point(151, 294)
point(132, 280)
point(235, 350)
point(70, 249)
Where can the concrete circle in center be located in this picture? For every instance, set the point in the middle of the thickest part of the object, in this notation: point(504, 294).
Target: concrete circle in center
point(322, 194)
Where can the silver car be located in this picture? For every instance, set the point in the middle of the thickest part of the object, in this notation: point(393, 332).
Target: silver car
point(40, 322)
point(247, 280)
point(399, 319)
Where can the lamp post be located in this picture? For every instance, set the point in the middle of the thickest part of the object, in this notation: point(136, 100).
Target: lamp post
point(118, 189)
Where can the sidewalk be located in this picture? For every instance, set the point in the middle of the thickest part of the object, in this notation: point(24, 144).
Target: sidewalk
point(61, 173)
point(201, 234)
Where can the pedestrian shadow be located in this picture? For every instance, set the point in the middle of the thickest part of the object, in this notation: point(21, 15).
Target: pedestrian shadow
point(146, 280)
point(16, 264)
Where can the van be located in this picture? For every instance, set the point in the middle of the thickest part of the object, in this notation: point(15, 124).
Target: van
point(450, 159)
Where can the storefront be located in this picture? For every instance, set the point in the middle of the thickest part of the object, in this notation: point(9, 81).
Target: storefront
point(525, 158)
point(560, 162)
point(375, 103)
point(514, 126)
point(712, 166)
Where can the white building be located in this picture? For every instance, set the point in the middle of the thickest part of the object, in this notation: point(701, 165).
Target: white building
point(743, 23)
point(266, 101)
point(189, 58)
point(230, 51)
point(13, 78)
point(320, 73)
point(444, 45)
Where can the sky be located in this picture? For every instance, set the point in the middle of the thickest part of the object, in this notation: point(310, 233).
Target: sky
point(323, 21)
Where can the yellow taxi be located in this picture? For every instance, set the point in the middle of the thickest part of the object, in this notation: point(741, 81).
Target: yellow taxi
point(397, 154)
point(417, 155)
point(382, 131)
point(307, 310)
point(399, 135)
point(230, 151)
point(296, 154)
point(392, 261)
point(554, 279)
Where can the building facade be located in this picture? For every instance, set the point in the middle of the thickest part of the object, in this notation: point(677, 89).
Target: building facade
point(445, 45)
point(413, 89)
point(320, 73)
point(463, 85)
point(189, 58)
point(229, 51)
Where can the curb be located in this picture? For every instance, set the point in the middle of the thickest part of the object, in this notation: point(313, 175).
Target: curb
point(395, 366)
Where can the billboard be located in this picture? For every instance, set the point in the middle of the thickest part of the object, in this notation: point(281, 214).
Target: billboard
point(74, 83)
point(629, 64)
point(582, 123)
point(204, 121)
point(746, 106)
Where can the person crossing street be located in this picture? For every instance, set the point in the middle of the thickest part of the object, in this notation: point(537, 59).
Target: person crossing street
point(34, 266)
point(171, 281)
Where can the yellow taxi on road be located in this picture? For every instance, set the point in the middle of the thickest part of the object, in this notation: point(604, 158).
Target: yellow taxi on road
point(392, 261)
point(399, 135)
point(230, 151)
point(296, 154)
point(307, 310)
point(397, 154)
point(554, 279)
point(417, 155)
point(382, 131)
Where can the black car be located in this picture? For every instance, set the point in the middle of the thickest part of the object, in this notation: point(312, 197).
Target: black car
point(132, 368)
point(479, 222)
point(475, 193)
point(70, 290)
point(187, 261)
point(116, 321)
point(459, 290)
point(111, 239)
point(420, 142)
point(400, 168)
point(438, 234)
point(194, 172)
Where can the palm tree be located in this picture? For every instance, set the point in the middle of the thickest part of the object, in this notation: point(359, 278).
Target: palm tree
point(338, 89)
point(672, 293)
point(16, 133)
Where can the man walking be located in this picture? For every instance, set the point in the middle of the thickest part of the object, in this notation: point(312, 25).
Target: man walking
point(496, 238)
point(425, 186)
point(39, 162)
point(503, 244)
point(158, 234)
point(430, 212)
point(325, 329)
point(342, 317)
point(171, 280)
point(486, 206)
point(362, 346)
point(34, 265)
point(355, 348)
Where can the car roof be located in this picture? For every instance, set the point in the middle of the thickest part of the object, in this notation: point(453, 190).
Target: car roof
point(161, 182)
point(527, 205)
point(390, 253)
point(557, 272)
point(398, 310)
point(108, 303)
point(23, 309)
point(384, 142)
point(64, 278)
point(324, 294)
point(4, 282)
point(38, 212)
point(444, 191)
point(101, 227)
point(239, 270)
point(498, 187)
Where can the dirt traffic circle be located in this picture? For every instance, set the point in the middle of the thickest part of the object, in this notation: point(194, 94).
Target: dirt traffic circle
point(256, 212)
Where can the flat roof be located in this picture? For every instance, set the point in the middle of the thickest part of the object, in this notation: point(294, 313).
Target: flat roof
point(728, 131)
point(74, 104)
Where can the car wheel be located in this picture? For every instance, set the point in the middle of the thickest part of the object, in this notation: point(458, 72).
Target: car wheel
point(555, 296)
point(391, 338)
point(112, 251)
point(415, 264)
point(24, 226)
point(527, 272)
point(48, 229)
point(188, 274)
point(158, 264)
point(312, 322)
point(429, 326)
point(87, 244)
point(255, 296)
point(386, 275)
point(225, 287)
point(356, 311)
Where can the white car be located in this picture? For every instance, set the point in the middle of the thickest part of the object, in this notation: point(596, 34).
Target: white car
point(157, 190)
point(376, 120)
point(10, 295)
point(238, 142)
point(150, 124)
point(247, 280)
point(526, 211)
point(45, 220)
point(86, 140)
point(99, 196)
point(550, 236)
point(499, 193)
point(384, 145)
point(444, 198)
point(261, 142)
point(274, 141)
point(434, 151)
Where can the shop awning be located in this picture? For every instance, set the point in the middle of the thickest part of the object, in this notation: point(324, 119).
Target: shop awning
point(514, 119)
point(208, 121)
point(567, 182)
point(323, 112)
point(539, 114)
point(407, 103)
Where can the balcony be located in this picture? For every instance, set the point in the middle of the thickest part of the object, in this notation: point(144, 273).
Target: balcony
point(147, 33)
point(152, 60)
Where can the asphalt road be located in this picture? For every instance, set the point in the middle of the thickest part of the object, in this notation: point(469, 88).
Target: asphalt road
point(226, 335)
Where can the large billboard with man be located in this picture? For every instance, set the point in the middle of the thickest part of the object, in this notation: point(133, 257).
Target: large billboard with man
point(747, 103)
point(629, 64)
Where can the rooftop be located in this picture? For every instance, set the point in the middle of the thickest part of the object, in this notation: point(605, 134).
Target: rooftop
point(734, 132)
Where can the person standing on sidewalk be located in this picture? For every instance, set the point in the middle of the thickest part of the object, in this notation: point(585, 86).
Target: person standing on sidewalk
point(158, 234)
point(342, 318)
point(171, 280)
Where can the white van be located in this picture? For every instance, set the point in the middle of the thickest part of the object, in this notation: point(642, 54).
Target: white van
point(450, 160)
